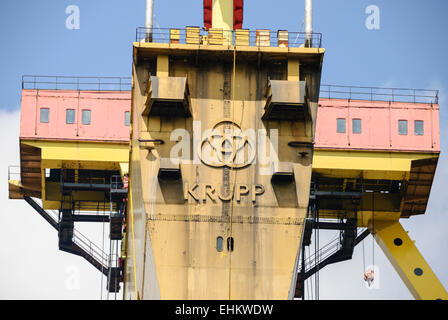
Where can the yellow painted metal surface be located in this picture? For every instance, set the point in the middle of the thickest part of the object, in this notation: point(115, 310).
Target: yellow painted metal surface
point(222, 12)
point(193, 44)
point(124, 168)
point(171, 249)
point(215, 36)
point(293, 70)
point(408, 261)
point(174, 35)
point(192, 36)
point(177, 224)
point(366, 164)
point(76, 155)
point(163, 67)
point(75, 152)
point(15, 189)
point(242, 37)
point(370, 167)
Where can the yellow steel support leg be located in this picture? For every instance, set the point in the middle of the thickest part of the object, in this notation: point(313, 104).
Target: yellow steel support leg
point(408, 261)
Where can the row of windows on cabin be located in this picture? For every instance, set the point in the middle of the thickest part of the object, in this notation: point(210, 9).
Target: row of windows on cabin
point(402, 126)
point(70, 116)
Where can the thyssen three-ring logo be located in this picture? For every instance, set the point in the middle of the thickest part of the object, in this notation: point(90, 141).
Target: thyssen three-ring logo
point(226, 145)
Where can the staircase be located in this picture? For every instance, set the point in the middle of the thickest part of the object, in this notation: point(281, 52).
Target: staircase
point(337, 250)
point(79, 245)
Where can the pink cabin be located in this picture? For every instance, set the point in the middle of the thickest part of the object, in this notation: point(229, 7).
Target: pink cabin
point(75, 115)
point(377, 125)
point(342, 122)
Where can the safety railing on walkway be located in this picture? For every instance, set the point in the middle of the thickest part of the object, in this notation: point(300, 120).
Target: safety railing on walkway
point(39, 82)
point(13, 172)
point(242, 37)
point(379, 94)
point(116, 183)
point(93, 250)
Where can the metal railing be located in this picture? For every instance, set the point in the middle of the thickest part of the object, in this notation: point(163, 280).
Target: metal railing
point(76, 177)
point(13, 172)
point(124, 84)
point(36, 82)
point(99, 206)
point(379, 94)
point(253, 38)
point(326, 251)
point(84, 243)
point(323, 253)
point(116, 183)
point(88, 246)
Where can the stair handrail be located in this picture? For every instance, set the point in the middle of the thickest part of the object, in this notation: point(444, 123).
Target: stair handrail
point(87, 245)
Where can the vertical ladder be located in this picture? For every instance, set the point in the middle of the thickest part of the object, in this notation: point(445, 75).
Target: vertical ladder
point(118, 194)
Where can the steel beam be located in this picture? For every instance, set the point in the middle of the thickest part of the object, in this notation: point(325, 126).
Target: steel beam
point(90, 218)
point(41, 211)
point(408, 261)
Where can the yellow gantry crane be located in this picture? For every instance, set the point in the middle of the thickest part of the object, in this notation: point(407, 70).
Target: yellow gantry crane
point(234, 157)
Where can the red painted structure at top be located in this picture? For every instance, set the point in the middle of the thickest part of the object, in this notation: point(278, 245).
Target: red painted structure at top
point(238, 7)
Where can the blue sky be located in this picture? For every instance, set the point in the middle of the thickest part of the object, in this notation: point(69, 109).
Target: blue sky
point(407, 51)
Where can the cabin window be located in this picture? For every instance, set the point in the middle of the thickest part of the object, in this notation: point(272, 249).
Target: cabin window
point(340, 125)
point(402, 127)
point(356, 125)
point(219, 244)
point(44, 115)
point(86, 117)
point(418, 127)
point(127, 118)
point(70, 116)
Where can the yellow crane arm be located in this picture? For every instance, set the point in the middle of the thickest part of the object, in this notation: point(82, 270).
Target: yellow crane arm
point(408, 261)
